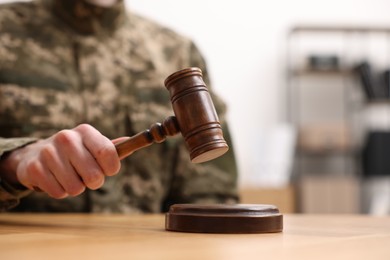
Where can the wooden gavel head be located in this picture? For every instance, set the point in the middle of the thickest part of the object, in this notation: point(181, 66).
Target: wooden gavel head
point(195, 114)
point(195, 117)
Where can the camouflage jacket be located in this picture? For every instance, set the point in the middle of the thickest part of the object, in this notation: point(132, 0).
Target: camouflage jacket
point(64, 62)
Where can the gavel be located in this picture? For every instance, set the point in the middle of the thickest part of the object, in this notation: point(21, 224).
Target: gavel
point(195, 117)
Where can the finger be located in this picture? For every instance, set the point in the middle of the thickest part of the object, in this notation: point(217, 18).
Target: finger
point(71, 147)
point(101, 148)
point(52, 187)
point(40, 177)
point(63, 171)
point(87, 168)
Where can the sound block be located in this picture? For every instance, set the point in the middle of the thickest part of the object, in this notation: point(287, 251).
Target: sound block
point(223, 218)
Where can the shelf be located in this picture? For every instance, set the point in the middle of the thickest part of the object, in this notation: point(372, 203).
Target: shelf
point(336, 100)
point(326, 86)
point(326, 152)
point(340, 28)
point(378, 101)
point(330, 72)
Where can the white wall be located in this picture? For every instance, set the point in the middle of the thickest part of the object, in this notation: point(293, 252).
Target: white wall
point(244, 45)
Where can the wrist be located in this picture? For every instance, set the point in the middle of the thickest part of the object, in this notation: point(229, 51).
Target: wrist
point(8, 167)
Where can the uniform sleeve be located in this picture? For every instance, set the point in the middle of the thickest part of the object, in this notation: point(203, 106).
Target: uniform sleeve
point(10, 195)
point(211, 182)
point(10, 144)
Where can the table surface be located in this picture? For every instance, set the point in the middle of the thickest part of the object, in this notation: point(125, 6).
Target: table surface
point(63, 236)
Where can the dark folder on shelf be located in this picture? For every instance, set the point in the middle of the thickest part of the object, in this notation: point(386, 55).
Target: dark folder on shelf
point(367, 80)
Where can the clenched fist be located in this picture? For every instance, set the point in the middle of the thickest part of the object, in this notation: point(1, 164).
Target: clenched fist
point(64, 164)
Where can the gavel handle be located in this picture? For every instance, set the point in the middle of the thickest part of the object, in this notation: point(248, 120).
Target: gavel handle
point(157, 133)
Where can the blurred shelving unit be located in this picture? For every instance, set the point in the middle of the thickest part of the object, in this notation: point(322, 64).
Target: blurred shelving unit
point(326, 102)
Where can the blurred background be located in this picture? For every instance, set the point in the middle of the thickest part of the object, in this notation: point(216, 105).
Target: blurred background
point(307, 88)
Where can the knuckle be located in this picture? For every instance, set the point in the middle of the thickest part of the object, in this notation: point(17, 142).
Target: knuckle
point(83, 128)
point(64, 137)
point(48, 153)
point(105, 151)
point(109, 160)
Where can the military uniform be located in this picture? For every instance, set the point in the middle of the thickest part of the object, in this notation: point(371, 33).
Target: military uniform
point(65, 62)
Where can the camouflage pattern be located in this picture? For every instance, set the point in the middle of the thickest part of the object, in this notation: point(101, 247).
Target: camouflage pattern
point(65, 62)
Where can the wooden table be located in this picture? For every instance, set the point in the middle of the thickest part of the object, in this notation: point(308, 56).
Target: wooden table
point(73, 237)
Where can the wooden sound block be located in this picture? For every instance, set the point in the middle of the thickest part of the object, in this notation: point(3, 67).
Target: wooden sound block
point(221, 218)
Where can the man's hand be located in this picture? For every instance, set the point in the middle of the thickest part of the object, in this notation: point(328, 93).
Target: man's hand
point(63, 164)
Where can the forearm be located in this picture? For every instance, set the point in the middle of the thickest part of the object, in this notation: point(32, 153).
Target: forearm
point(10, 189)
point(9, 157)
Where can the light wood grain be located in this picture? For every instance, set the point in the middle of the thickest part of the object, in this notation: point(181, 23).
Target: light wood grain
point(70, 236)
